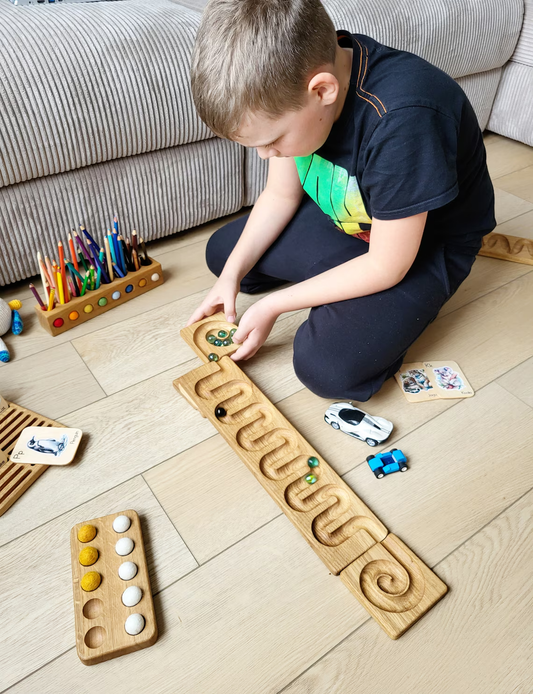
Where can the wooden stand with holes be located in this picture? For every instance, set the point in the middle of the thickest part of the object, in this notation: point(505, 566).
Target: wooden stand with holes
point(16, 478)
point(66, 316)
point(389, 580)
point(505, 247)
point(100, 614)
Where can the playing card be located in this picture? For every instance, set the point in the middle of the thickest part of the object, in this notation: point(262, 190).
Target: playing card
point(46, 445)
point(422, 381)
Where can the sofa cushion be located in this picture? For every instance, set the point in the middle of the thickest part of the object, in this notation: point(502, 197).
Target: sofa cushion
point(461, 37)
point(87, 83)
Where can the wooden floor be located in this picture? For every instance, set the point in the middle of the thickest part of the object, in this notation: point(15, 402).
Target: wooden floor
point(243, 604)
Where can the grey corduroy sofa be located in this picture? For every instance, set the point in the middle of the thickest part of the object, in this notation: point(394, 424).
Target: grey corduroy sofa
point(96, 115)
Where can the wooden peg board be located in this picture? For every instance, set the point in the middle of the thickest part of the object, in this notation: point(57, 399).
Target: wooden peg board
point(82, 308)
point(16, 478)
point(100, 614)
point(505, 247)
point(341, 529)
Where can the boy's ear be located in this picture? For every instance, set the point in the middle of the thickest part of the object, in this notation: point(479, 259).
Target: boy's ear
point(325, 86)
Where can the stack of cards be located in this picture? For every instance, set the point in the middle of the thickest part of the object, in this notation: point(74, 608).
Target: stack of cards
point(46, 446)
point(426, 380)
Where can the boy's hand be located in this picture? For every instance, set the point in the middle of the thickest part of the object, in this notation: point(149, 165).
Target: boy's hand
point(254, 328)
point(221, 298)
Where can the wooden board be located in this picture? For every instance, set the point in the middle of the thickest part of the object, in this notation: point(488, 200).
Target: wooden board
point(16, 478)
point(506, 247)
point(82, 308)
point(340, 528)
point(100, 614)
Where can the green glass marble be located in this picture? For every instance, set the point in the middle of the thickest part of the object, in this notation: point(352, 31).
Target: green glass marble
point(222, 333)
point(211, 339)
point(313, 462)
point(232, 332)
point(213, 357)
point(226, 343)
point(218, 343)
point(311, 479)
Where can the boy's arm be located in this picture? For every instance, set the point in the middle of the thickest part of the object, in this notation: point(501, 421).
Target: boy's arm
point(273, 210)
point(392, 250)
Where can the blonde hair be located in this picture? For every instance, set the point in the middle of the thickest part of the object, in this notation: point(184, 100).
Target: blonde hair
point(256, 56)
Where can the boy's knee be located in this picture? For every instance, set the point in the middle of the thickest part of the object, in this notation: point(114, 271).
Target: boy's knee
point(329, 376)
point(215, 254)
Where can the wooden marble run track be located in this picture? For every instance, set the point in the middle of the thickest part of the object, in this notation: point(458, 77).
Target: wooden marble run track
point(505, 247)
point(389, 580)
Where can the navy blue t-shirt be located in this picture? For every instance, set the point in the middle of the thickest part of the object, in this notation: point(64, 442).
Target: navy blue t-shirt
point(407, 141)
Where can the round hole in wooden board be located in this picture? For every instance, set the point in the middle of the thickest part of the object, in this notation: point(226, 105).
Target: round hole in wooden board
point(95, 637)
point(92, 609)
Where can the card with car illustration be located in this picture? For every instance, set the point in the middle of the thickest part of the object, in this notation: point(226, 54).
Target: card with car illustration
point(46, 445)
point(422, 381)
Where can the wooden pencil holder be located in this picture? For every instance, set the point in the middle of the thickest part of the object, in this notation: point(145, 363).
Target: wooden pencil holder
point(82, 308)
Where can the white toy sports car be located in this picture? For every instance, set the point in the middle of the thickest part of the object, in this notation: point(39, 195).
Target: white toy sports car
point(359, 424)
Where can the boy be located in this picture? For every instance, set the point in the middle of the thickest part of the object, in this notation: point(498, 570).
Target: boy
point(377, 197)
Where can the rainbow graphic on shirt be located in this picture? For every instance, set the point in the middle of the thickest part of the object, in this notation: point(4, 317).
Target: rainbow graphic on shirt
point(335, 192)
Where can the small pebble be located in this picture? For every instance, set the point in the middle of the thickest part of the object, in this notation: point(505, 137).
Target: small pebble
point(313, 462)
point(311, 479)
point(232, 332)
point(124, 546)
point(86, 533)
point(90, 581)
point(213, 357)
point(226, 343)
point(121, 524)
point(88, 556)
point(222, 333)
point(134, 624)
point(127, 570)
point(131, 596)
point(220, 412)
point(211, 339)
point(218, 343)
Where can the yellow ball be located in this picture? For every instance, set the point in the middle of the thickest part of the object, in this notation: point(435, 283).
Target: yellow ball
point(88, 556)
point(91, 581)
point(15, 304)
point(86, 533)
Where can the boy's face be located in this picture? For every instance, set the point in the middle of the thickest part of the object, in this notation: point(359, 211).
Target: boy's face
point(300, 133)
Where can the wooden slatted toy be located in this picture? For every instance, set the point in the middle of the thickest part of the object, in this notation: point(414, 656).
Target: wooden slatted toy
point(389, 580)
point(16, 478)
point(113, 606)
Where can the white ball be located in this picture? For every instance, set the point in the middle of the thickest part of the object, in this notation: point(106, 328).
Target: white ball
point(131, 596)
point(121, 524)
point(124, 546)
point(127, 570)
point(134, 624)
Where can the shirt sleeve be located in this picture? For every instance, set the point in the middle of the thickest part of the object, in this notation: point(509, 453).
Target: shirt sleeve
point(411, 163)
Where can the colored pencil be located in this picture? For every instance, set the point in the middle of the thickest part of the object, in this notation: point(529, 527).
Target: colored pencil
point(91, 277)
point(127, 251)
point(115, 224)
point(134, 241)
point(82, 246)
point(73, 252)
point(116, 244)
point(98, 263)
point(60, 288)
point(111, 247)
point(42, 270)
point(135, 258)
point(118, 271)
point(51, 299)
point(84, 285)
point(63, 271)
point(36, 295)
point(90, 239)
point(83, 261)
point(147, 260)
point(50, 271)
point(121, 245)
point(109, 259)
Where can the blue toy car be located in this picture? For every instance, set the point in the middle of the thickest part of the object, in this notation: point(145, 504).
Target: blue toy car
point(383, 464)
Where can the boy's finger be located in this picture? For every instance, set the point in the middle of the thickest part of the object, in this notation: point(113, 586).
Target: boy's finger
point(229, 310)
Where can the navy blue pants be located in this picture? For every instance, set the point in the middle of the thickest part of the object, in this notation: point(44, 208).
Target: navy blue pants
point(347, 349)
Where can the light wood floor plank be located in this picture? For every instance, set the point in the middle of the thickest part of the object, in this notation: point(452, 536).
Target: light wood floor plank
point(519, 183)
point(36, 579)
point(51, 383)
point(519, 382)
point(509, 206)
point(521, 226)
point(505, 155)
point(477, 640)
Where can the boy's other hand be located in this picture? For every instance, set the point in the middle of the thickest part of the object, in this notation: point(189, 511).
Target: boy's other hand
point(254, 328)
point(221, 298)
